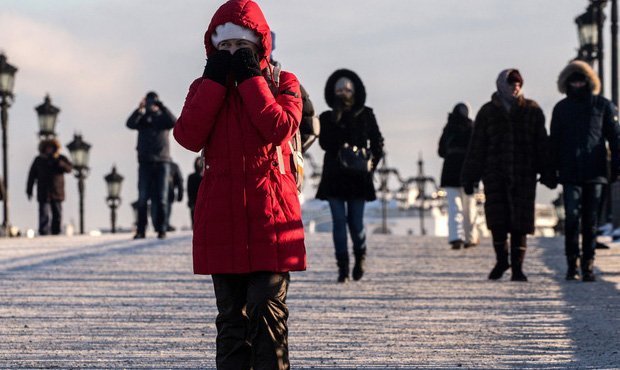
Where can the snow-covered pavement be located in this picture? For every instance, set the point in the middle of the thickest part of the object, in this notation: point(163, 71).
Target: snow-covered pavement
point(113, 302)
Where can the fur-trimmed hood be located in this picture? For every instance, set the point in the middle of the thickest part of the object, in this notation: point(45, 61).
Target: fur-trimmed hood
point(578, 66)
point(360, 90)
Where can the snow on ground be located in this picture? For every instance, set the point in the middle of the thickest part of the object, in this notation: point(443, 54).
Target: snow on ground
point(117, 303)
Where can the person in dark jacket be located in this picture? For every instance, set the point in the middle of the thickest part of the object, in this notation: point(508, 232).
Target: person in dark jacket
point(349, 123)
point(461, 207)
point(193, 183)
point(175, 192)
point(153, 122)
point(47, 171)
point(508, 148)
point(581, 125)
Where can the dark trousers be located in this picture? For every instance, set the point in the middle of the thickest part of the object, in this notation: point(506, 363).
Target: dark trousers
point(251, 323)
point(50, 217)
point(153, 184)
point(351, 213)
point(581, 204)
point(517, 239)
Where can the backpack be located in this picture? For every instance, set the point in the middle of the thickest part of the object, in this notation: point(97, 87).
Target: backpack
point(297, 156)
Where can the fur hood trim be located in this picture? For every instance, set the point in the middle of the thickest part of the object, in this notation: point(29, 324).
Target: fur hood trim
point(578, 66)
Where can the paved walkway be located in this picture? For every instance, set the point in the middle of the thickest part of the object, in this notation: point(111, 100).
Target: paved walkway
point(98, 302)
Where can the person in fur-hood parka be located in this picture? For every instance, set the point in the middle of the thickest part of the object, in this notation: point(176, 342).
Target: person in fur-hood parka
point(582, 126)
point(349, 123)
point(248, 232)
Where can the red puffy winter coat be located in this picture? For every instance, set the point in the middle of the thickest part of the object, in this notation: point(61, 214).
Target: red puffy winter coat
point(247, 216)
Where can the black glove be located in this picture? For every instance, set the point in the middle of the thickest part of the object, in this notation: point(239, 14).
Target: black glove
point(245, 65)
point(468, 188)
point(218, 66)
point(549, 180)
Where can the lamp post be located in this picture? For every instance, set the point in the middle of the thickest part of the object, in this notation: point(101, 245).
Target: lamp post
point(47, 114)
point(590, 32)
point(79, 154)
point(420, 182)
point(7, 82)
point(114, 181)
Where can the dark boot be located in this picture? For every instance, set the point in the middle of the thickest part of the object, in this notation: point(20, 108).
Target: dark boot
point(587, 270)
point(501, 254)
point(517, 255)
point(342, 259)
point(358, 268)
point(457, 244)
point(572, 273)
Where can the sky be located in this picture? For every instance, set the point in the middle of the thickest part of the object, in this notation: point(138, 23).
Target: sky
point(98, 58)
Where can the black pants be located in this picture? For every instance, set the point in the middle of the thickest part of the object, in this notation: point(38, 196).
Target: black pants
point(517, 238)
point(581, 203)
point(251, 321)
point(50, 217)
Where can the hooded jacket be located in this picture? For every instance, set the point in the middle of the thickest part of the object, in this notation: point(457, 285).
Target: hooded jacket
point(508, 149)
point(453, 147)
point(48, 171)
point(580, 128)
point(247, 216)
point(153, 132)
point(357, 127)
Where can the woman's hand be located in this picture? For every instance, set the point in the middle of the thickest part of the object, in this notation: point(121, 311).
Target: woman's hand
point(218, 66)
point(245, 65)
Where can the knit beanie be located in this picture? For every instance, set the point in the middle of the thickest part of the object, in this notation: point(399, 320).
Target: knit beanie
point(229, 31)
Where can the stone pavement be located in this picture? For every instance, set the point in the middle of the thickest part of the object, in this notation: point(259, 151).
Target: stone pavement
point(110, 302)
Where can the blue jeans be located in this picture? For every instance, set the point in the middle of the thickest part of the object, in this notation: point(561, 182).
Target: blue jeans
point(581, 202)
point(50, 217)
point(351, 213)
point(153, 184)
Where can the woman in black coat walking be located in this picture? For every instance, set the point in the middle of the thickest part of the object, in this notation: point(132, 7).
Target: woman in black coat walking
point(349, 125)
point(508, 148)
point(461, 207)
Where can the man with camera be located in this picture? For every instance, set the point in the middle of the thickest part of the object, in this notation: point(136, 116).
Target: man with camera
point(153, 122)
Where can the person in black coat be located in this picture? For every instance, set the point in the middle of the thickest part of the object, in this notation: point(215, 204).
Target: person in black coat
point(47, 171)
point(508, 149)
point(581, 126)
point(461, 207)
point(193, 184)
point(175, 192)
point(153, 122)
point(349, 123)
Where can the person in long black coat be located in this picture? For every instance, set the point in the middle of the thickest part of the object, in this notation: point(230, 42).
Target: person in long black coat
point(193, 184)
point(47, 172)
point(351, 123)
point(508, 149)
point(581, 126)
point(461, 207)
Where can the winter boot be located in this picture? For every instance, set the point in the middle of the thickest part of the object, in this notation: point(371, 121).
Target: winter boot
point(501, 254)
point(358, 268)
point(457, 244)
point(572, 273)
point(517, 255)
point(342, 259)
point(587, 270)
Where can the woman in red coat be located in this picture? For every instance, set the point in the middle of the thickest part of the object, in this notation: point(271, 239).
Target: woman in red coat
point(248, 232)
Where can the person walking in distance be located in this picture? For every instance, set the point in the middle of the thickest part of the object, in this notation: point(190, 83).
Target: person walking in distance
point(348, 131)
point(508, 149)
point(153, 122)
point(193, 183)
point(47, 171)
point(582, 125)
point(461, 207)
point(248, 233)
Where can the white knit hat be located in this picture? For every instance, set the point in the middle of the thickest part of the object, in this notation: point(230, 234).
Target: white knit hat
point(228, 31)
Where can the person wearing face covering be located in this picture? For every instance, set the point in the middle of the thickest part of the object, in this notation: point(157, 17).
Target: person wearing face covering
point(248, 233)
point(461, 207)
point(349, 123)
point(508, 149)
point(582, 125)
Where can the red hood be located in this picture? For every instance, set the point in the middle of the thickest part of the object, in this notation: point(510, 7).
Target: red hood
point(245, 13)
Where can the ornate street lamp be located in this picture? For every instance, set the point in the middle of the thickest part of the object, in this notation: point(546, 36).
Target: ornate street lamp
point(114, 181)
point(7, 82)
point(587, 30)
point(421, 180)
point(79, 154)
point(47, 118)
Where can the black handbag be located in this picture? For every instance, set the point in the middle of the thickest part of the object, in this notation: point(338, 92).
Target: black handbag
point(354, 160)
